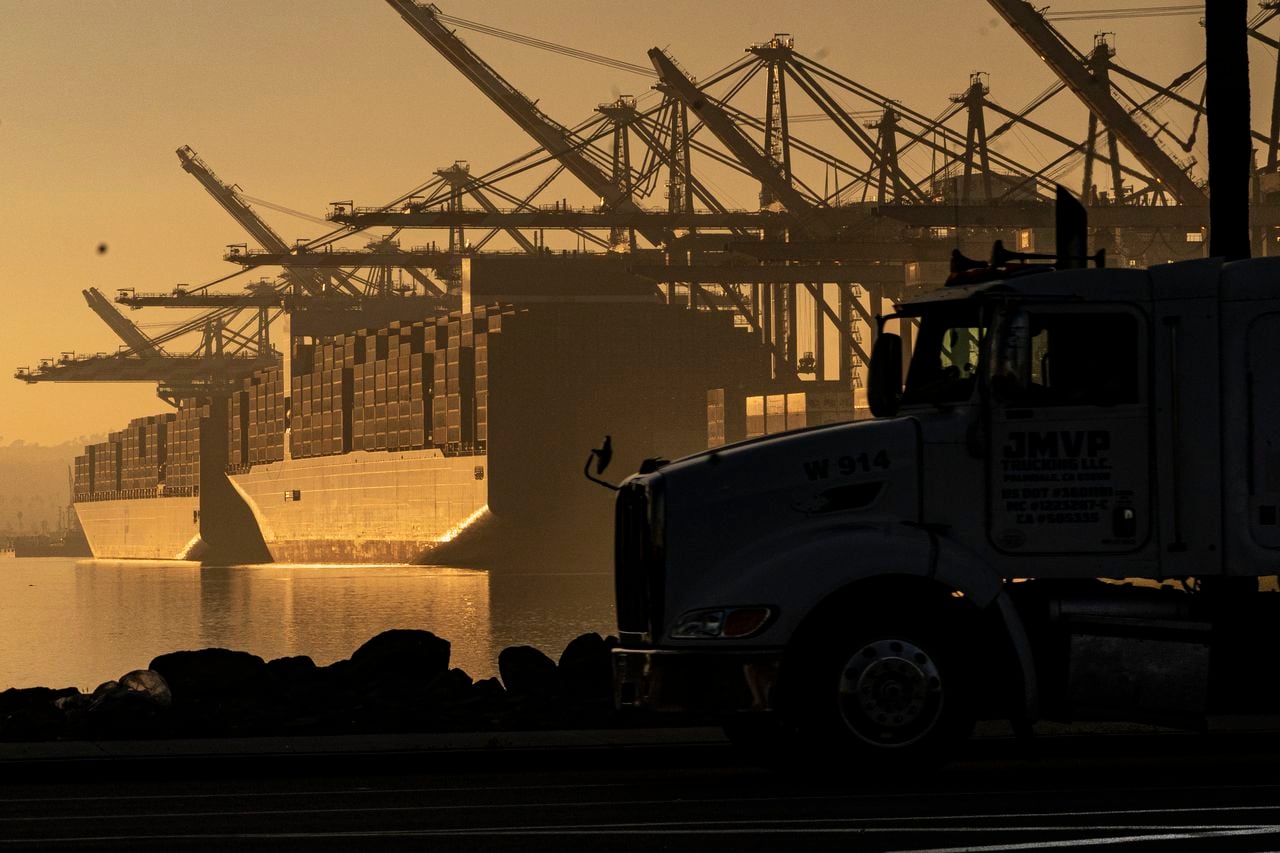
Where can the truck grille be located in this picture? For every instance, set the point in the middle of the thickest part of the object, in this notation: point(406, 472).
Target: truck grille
point(637, 562)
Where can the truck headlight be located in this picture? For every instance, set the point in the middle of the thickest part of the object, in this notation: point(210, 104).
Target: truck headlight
point(722, 623)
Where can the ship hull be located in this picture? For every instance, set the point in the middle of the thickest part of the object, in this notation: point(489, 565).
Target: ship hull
point(152, 528)
point(364, 507)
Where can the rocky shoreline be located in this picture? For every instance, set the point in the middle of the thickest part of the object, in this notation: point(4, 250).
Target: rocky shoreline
point(397, 682)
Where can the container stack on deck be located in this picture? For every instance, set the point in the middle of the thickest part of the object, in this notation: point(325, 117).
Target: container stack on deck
point(322, 397)
point(526, 391)
point(80, 483)
point(182, 465)
point(143, 453)
point(388, 400)
point(131, 463)
point(407, 386)
point(393, 424)
point(104, 477)
point(263, 397)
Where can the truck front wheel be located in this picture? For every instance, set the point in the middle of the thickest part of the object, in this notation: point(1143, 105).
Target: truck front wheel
point(892, 690)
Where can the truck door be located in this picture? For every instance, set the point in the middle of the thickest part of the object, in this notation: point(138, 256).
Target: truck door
point(1069, 462)
point(1263, 430)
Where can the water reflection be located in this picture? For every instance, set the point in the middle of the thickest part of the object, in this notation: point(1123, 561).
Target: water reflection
point(83, 622)
point(327, 612)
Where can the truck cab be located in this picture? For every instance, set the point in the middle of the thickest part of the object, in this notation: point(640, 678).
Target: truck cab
point(1064, 508)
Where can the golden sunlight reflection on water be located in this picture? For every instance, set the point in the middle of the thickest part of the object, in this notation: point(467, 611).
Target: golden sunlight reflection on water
point(66, 622)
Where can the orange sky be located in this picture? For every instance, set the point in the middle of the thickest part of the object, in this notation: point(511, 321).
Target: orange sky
point(305, 102)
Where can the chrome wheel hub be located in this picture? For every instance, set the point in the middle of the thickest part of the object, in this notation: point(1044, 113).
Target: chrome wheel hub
point(890, 693)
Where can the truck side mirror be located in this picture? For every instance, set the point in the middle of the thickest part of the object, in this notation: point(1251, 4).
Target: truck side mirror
point(884, 378)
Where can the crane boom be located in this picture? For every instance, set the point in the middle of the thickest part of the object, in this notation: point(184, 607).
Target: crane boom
point(743, 149)
point(314, 281)
point(167, 369)
point(1066, 63)
point(231, 202)
point(552, 136)
point(546, 131)
point(122, 326)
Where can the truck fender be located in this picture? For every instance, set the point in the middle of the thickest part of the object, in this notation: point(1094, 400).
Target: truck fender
point(836, 561)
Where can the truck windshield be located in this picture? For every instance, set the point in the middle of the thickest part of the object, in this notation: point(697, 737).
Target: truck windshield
point(944, 363)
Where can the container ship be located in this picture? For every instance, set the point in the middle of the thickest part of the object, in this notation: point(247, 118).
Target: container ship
point(455, 439)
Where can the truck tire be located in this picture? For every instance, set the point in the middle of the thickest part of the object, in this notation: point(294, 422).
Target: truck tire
point(890, 689)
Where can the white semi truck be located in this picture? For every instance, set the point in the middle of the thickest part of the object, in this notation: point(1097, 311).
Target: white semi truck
point(1068, 510)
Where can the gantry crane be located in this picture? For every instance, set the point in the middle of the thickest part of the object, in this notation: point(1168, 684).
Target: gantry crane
point(458, 177)
point(1073, 68)
point(310, 281)
point(553, 137)
point(306, 279)
point(132, 336)
point(225, 355)
point(775, 181)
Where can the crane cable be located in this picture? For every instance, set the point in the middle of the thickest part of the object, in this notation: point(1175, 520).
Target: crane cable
point(1167, 11)
point(553, 47)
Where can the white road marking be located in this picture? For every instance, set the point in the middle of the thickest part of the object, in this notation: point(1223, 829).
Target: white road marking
point(1106, 839)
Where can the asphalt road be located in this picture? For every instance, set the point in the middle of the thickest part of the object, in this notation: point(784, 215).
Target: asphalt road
point(1153, 792)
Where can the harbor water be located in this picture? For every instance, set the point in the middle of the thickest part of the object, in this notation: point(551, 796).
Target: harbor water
point(78, 623)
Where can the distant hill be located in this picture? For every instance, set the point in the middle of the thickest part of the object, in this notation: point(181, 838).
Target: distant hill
point(34, 489)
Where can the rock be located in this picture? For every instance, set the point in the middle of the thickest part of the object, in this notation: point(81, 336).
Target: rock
point(403, 653)
point(73, 704)
point(104, 687)
point(123, 712)
point(339, 673)
point(149, 683)
point(15, 699)
point(526, 670)
point(31, 713)
point(207, 673)
point(587, 661)
point(586, 669)
point(490, 688)
point(292, 669)
point(452, 688)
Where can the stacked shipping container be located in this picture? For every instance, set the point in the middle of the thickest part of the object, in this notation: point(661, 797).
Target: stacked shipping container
point(80, 484)
point(263, 398)
point(104, 468)
point(143, 451)
point(322, 407)
point(182, 463)
point(399, 389)
point(138, 460)
point(407, 386)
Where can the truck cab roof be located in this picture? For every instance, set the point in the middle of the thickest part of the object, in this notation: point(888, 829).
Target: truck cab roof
point(1255, 278)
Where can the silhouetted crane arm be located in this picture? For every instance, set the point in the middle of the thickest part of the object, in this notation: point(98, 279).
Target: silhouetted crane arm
point(231, 201)
point(743, 149)
point(166, 369)
point(1070, 68)
point(552, 136)
point(547, 132)
point(121, 325)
